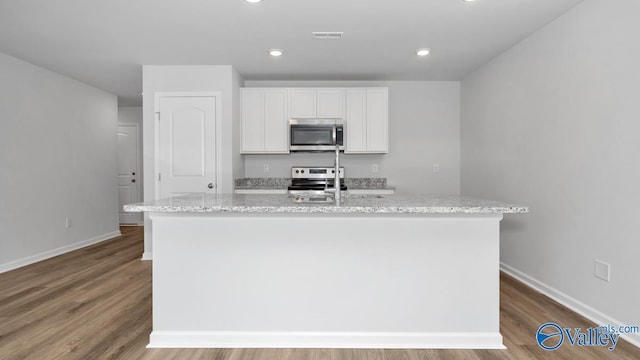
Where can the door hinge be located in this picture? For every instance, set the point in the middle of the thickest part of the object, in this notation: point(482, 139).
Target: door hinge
point(159, 177)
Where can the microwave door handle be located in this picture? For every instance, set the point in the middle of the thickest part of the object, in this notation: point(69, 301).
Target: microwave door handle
point(335, 135)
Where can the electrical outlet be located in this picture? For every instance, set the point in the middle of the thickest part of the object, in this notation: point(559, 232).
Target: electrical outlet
point(266, 168)
point(436, 168)
point(374, 168)
point(602, 270)
point(67, 223)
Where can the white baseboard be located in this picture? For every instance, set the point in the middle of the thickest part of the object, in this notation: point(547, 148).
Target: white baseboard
point(353, 340)
point(147, 256)
point(55, 252)
point(570, 302)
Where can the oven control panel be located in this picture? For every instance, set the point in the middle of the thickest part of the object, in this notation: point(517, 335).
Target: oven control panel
point(307, 172)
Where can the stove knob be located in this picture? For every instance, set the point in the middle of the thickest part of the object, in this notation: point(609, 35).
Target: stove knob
point(297, 171)
point(302, 171)
point(333, 171)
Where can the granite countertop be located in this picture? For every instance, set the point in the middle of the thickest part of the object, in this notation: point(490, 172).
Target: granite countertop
point(283, 184)
point(262, 183)
point(362, 204)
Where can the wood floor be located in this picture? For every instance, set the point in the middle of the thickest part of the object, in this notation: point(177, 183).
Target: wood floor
point(95, 303)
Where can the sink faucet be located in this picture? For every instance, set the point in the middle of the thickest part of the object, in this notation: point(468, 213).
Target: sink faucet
point(336, 181)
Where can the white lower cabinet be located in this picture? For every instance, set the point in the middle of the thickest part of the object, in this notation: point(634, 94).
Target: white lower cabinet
point(264, 116)
point(367, 120)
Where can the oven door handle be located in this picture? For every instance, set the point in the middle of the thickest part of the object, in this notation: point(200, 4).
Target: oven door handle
point(335, 135)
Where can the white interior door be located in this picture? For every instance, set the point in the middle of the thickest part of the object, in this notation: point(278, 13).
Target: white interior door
point(187, 148)
point(128, 172)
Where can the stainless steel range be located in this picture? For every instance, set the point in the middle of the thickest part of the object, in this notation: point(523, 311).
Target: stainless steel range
point(310, 181)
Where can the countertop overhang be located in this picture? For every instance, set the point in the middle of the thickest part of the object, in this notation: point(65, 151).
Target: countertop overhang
point(358, 204)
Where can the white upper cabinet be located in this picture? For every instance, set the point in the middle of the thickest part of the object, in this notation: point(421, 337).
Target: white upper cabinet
point(303, 103)
point(322, 103)
point(276, 125)
point(264, 121)
point(252, 120)
point(378, 120)
point(356, 121)
point(265, 114)
point(367, 120)
point(330, 103)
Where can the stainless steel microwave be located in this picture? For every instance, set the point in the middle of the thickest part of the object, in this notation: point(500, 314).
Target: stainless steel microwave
point(316, 134)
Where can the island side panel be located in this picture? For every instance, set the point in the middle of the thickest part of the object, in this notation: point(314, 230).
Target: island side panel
point(302, 280)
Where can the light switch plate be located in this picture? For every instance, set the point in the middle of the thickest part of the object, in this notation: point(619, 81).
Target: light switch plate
point(602, 270)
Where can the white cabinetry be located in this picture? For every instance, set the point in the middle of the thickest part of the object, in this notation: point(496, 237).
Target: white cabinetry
point(367, 120)
point(323, 103)
point(264, 115)
point(330, 103)
point(303, 103)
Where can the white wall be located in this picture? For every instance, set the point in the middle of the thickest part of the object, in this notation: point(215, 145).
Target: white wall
point(189, 79)
point(238, 162)
point(130, 115)
point(223, 79)
point(424, 122)
point(554, 123)
point(57, 160)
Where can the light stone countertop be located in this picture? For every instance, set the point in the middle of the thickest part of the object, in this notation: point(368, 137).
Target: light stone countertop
point(356, 204)
point(279, 185)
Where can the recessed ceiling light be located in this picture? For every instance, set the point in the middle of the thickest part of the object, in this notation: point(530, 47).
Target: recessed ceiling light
point(253, 1)
point(275, 52)
point(462, 0)
point(423, 52)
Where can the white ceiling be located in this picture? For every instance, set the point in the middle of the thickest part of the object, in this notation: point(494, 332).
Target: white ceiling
point(104, 43)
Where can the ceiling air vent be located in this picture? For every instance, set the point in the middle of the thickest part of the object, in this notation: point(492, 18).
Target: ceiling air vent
point(327, 35)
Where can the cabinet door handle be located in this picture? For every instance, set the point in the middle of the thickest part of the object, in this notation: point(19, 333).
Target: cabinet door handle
point(211, 186)
point(133, 180)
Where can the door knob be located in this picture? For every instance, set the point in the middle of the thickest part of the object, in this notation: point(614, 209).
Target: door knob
point(210, 186)
point(133, 180)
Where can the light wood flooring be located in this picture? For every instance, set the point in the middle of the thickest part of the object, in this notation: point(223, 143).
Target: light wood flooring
point(95, 303)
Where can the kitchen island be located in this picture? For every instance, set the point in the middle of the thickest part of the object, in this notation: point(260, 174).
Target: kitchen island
point(369, 272)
